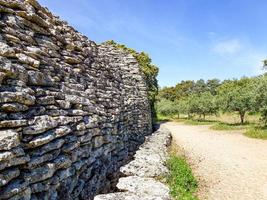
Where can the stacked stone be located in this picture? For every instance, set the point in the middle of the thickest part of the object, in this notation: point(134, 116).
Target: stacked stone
point(71, 111)
point(140, 176)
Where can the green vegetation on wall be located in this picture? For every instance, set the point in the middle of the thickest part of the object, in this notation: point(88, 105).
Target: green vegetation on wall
point(149, 70)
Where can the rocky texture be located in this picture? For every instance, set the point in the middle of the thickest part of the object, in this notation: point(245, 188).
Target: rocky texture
point(142, 172)
point(71, 111)
point(150, 159)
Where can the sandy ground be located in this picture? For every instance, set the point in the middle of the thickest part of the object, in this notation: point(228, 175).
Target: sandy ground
point(228, 164)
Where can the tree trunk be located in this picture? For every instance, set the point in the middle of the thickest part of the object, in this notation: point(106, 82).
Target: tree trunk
point(242, 117)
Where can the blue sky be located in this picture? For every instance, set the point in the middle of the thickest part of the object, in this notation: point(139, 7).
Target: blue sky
point(187, 39)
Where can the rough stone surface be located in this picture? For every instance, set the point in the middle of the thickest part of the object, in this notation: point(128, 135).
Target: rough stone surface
point(71, 112)
point(128, 196)
point(8, 139)
point(141, 173)
point(149, 160)
point(143, 186)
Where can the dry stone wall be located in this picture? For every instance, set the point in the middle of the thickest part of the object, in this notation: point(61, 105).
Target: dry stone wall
point(140, 177)
point(71, 111)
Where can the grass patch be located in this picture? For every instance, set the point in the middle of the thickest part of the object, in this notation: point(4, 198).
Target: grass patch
point(162, 118)
point(198, 122)
point(228, 127)
point(257, 132)
point(180, 179)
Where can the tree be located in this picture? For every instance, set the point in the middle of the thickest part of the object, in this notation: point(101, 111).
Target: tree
point(167, 93)
point(166, 107)
point(202, 104)
point(237, 96)
point(200, 87)
point(261, 97)
point(265, 64)
point(184, 89)
point(212, 85)
point(181, 107)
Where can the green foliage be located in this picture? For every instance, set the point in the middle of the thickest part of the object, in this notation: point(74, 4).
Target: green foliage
point(237, 96)
point(186, 88)
point(265, 64)
point(162, 118)
point(225, 126)
point(169, 108)
point(212, 85)
point(246, 95)
point(167, 93)
point(202, 104)
point(182, 106)
point(149, 70)
point(180, 179)
point(261, 97)
point(257, 132)
point(166, 107)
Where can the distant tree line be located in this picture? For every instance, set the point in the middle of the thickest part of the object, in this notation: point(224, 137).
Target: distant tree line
point(204, 98)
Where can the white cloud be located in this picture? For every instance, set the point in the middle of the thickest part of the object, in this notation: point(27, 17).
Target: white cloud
point(227, 47)
point(238, 52)
point(254, 60)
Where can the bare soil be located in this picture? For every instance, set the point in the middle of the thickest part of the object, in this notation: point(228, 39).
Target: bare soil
point(227, 164)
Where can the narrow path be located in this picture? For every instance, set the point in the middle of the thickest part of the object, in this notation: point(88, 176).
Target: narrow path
point(229, 165)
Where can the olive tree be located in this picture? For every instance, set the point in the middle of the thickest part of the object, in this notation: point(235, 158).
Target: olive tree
point(180, 107)
point(203, 104)
point(261, 97)
point(166, 107)
point(237, 96)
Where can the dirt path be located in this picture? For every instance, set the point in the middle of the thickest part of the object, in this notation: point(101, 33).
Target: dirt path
point(229, 165)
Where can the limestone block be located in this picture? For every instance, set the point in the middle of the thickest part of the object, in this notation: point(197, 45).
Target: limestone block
point(55, 144)
point(63, 104)
point(48, 136)
point(128, 196)
point(35, 161)
point(98, 141)
point(12, 123)
point(39, 79)
point(7, 175)
point(64, 120)
point(40, 124)
point(33, 18)
point(13, 107)
point(19, 97)
point(15, 152)
point(6, 51)
point(25, 195)
point(142, 186)
point(8, 139)
point(40, 173)
point(28, 60)
point(13, 188)
point(14, 162)
point(48, 100)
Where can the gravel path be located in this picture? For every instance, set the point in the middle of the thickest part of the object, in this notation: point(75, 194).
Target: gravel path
point(228, 164)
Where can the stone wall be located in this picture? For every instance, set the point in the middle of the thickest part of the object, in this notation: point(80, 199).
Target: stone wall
point(140, 178)
point(71, 111)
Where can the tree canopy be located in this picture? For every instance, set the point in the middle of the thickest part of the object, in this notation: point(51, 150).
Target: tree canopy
point(237, 96)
